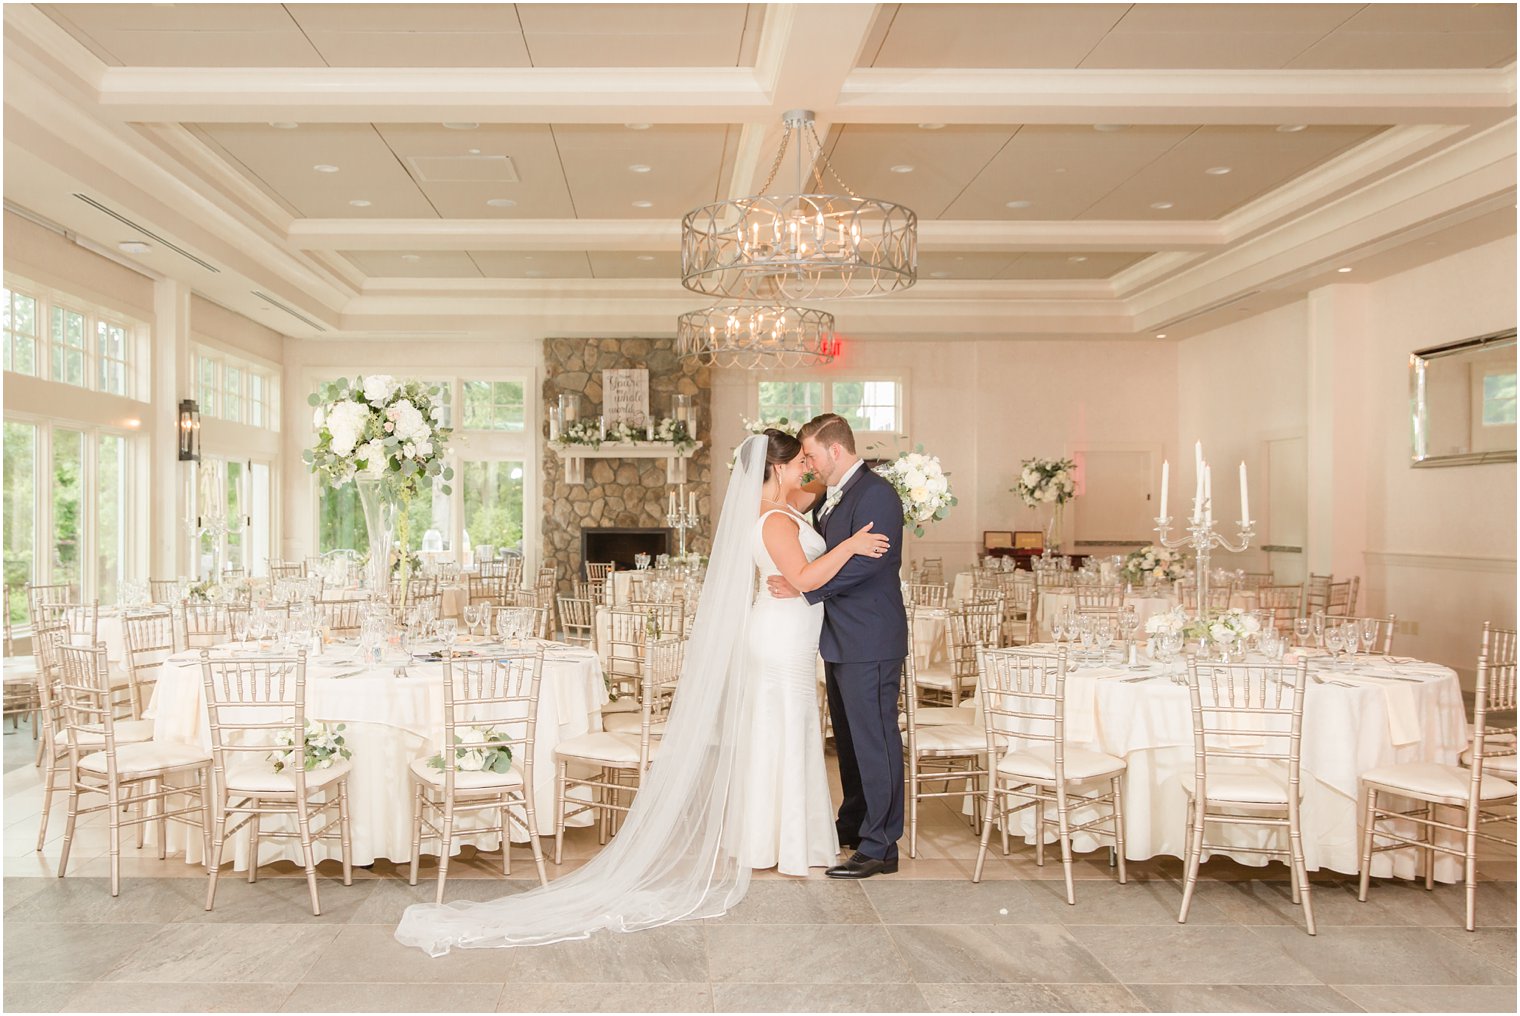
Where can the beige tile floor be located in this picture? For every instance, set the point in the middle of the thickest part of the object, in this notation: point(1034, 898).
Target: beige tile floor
point(925, 939)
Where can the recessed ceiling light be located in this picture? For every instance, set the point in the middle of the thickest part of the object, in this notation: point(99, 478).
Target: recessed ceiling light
point(1017, 204)
point(535, 274)
point(359, 203)
point(474, 151)
point(501, 202)
point(931, 126)
point(643, 257)
point(459, 125)
point(284, 125)
point(411, 257)
point(1161, 206)
point(1161, 335)
point(1290, 128)
point(134, 247)
point(1217, 170)
point(1109, 128)
point(643, 204)
point(1059, 169)
point(939, 275)
point(323, 167)
point(1077, 258)
point(639, 167)
point(637, 126)
point(530, 257)
point(1343, 271)
point(903, 168)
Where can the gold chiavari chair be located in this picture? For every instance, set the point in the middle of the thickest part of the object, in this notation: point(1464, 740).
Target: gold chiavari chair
point(597, 571)
point(1282, 604)
point(343, 618)
point(1499, 718)
point(165, 591)
point(498, 700)
point(202, 624)
point(1340, 598)
point(1024, 714)
point(45, 601)
point(83, 621)
point(251, 702)
point(1100, 601)
point(1254, 580)
point(577, 621)
point(969, 626)
point(1317, 592)
point(1018, 608)
point(942, 760)
point(1382, 642)
point(10, 634)
point(417, 586)
point(620, 758)
point(925, 594)
point(1220, 594)
point(489, 589)
point(149, 639)
point(1247, 735)
point(141, 772)
point(493, 568)
point(1473, 793)
point(529, 621)
point(585, 589)
point(932, 571)
point(286, 570)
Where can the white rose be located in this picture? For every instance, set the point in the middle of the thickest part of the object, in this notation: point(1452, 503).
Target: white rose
point(345, 422)
point(409, 450)
point(1251, 625)
point(918, 494)
point(410, 425)
point(425, 449)
point(372, 454)
point(378, 388)
point(915, 459)
point(472, 761)
point(1221, 633)
point(938, 484)
point(914, 477)
point(1030, 478)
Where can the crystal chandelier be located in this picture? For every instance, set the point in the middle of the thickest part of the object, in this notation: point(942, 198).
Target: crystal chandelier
point(757, 336)
point(781, 248)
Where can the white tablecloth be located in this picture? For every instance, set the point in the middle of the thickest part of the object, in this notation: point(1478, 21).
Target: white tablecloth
point(390, 722)
point(1347, 731)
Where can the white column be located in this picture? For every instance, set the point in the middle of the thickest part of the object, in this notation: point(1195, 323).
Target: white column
point(1339, 441)
point(171, 382)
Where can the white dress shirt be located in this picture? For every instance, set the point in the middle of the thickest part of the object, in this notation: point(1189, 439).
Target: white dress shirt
point(836, 487)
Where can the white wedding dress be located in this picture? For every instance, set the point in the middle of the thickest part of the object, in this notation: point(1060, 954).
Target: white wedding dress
point(789, 820)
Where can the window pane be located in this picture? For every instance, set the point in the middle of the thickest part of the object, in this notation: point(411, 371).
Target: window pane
point(867, 405)
point(21, 347)
point(234, 556)
point(428, 522)
point(20, 517)
point(256, 397)
point(68, 346)
point(797, 401)
point(1499, 399)
point(340, 520)
point(206, 384)
point(68, 528)
point(110, 531)
point(259, 529)
point(493, 503)
point(494, 405)
point(232, 401)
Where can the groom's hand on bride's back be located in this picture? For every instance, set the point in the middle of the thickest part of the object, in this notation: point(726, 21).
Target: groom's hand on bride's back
point(780, 587)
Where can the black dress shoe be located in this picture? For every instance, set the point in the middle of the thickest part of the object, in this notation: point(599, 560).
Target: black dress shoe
point(861, 866)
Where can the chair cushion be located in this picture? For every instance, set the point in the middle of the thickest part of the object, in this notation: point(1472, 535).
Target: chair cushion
point(934, 716)
point(1266, 785)
point(260, 777)
point(1038, 763)
point(1434, 781)
point(615, 748)
point(940, 677)
point(147, 757)
point(468, 781)
point(1499, 765)
point(957, 738)
point(630, 723)
point(626, 704)
point(127, 732)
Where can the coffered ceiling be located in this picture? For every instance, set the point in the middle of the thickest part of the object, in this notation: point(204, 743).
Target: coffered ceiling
point(511, 171)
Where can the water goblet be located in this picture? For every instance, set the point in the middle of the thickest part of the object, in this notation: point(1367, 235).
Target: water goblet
point(1350, 640)
point(474, 613)
point(662, 562)
point(1105, 632)
point(1334, 641)
point(1369, 632)
point(1318, 623)
point(1058, 628)
point(1301, 629)
point(448, 631)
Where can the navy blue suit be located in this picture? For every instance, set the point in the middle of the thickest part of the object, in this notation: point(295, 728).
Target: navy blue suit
point(863, 642)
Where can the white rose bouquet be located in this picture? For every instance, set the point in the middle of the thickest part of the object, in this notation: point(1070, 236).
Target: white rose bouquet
point(324, 746)
point(1230, 628)
point(1047, 481)
point(477, 750)
point(1166, 565)
point(922, 484)
point(375, 426)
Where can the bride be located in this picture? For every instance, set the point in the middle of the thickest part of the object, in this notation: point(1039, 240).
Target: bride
point(739, 780)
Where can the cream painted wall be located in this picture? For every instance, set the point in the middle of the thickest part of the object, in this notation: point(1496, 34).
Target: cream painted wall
point(983, 407)
point(45, 257)
point(1439, 545)
point(222, 327)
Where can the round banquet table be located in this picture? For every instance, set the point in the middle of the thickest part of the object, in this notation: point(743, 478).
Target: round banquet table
point(389, 722)
point(1384, 710)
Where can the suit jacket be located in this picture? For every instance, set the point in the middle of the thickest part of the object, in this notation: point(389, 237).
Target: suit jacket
point(864, 620)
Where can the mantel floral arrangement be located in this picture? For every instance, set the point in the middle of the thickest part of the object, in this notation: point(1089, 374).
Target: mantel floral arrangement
point(588, 432)
point(923, 485)
point(1165, 565)
point(1047, 481)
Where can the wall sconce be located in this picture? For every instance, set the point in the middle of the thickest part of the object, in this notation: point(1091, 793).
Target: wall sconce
point(189, 431)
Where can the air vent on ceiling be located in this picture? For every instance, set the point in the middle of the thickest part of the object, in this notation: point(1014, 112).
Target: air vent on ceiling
point(145, 231)
point(1217, 305)
point(288, 309)
point(463, 168)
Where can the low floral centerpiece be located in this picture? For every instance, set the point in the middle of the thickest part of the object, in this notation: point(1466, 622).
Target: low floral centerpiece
point(1227, 631)
point(388, 438)
point(1165, 565)
point(923, 485)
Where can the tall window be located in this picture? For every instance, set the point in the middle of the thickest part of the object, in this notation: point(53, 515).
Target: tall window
point(20, 323)
point(61, 338)
point(228, 388)
point(68, 493)
point(20, 452)
point(111, 355)
point(493, 503)
point(110, 502)
point(867, 404)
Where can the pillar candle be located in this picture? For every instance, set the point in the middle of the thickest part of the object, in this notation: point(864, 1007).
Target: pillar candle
point(691, 504)
point(1166, 469)
point(1208, 494)
point(1245, 499)
point(672, 510)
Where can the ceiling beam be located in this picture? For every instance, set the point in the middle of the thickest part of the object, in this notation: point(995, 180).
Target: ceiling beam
point(658, 235)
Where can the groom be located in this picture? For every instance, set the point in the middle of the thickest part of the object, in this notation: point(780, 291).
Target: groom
point(863, 642)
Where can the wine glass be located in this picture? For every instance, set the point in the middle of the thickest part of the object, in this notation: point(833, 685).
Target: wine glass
point(514, 624)
point(1105, 632)
point(1334, 640)
point(474, 613)
point(1368, 632)
point(448, 631)
point(1087, 629)
point(1301, 629)
point(1058, 628)
point(1349, 639)
point(1318, 622)
point(1129, 622)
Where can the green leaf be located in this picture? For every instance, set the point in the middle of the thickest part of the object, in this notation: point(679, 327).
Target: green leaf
point(314, 399)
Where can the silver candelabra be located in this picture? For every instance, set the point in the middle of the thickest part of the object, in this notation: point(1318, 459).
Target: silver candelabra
point(1203, 538)
point(681, 516)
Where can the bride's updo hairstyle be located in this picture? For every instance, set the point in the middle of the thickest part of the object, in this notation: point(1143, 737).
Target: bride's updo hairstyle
point(780, 449)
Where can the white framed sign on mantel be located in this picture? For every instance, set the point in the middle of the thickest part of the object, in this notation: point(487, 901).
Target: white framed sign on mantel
point(625, 397)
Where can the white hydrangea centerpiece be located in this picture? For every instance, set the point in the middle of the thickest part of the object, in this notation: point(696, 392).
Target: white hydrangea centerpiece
point(1047, 481)
point(1166, 565)
point(923, 485)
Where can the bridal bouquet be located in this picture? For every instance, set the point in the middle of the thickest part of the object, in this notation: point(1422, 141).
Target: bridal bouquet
point(376, 427)
point(923, 486)
point(1047, 481)
point(1166, 565)
point(491, 758)
point(324, 746)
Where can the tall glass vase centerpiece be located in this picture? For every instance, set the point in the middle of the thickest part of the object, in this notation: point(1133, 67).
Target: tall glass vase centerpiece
point(1048, 482)
point(388, 438)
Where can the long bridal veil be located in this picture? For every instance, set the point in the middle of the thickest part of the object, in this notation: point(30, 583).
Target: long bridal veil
point(676, 856)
